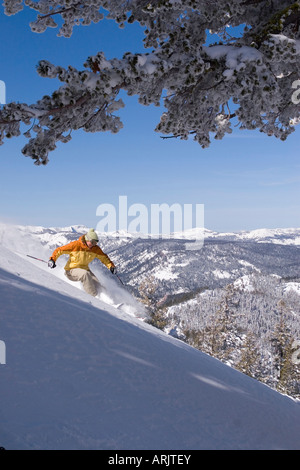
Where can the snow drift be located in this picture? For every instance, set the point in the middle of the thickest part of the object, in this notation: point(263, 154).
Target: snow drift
point(81, 374)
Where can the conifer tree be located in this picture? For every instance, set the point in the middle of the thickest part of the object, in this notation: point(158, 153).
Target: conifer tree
point(289, 380)
point(221, 334)
point(147, 290)
point(287, 373)
point(213, 65)
point(249, 362)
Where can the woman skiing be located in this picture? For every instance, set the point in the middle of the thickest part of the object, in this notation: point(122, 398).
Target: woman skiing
point(81, 252)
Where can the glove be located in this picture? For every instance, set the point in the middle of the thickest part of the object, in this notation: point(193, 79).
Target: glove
point(51, 263)
point(113, 270)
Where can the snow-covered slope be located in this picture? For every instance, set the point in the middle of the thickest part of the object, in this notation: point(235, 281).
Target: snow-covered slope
point(80, 374)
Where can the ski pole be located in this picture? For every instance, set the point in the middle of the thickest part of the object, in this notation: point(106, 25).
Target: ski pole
point(115, 274)
point(120, 279)
point(43, 261)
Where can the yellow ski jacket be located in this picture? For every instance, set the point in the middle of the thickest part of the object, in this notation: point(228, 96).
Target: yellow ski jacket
point(81, 255)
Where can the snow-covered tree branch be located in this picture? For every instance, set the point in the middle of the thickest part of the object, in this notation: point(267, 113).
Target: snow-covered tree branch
point(212, 63)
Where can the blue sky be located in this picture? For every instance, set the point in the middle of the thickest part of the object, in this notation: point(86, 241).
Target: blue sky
point(246, 181)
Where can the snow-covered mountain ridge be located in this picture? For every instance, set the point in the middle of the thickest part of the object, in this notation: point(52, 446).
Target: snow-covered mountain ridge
point(286, 236)
point(80, 374)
